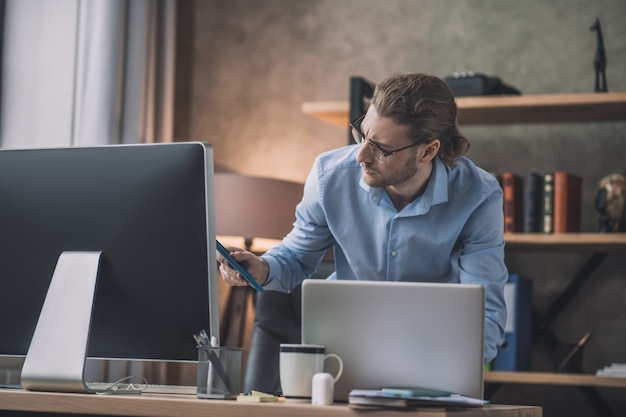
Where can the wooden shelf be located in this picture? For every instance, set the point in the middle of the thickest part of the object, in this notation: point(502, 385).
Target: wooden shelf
point(597, 242)
point(550, 378)
point(331, 112)
point(548, 108)
point(543, 108)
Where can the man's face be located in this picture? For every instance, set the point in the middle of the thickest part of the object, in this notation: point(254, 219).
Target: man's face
point(384, 133)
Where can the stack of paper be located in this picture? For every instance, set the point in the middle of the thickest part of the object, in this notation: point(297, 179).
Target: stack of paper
point(411, 398)
point(617, 370)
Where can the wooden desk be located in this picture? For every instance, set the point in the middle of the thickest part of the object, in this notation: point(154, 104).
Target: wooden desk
point(189, 406)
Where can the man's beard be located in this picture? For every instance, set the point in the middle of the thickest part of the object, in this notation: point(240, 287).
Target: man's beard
point(408, 171)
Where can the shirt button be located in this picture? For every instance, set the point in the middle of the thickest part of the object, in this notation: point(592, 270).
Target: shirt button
point(394, 253)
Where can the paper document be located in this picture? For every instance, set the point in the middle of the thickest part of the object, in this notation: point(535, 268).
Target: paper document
point(384, 398)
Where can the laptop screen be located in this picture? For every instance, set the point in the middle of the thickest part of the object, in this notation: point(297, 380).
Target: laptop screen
point(393, 334)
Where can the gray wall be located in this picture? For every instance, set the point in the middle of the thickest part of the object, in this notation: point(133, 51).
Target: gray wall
point(245, 67)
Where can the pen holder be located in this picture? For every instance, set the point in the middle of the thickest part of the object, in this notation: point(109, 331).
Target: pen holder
point(219, 372)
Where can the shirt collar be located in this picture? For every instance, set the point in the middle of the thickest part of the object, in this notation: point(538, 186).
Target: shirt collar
point(436, 191)
point(440, 180)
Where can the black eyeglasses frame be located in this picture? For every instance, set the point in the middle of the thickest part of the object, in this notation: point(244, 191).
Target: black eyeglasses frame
point(376, 149)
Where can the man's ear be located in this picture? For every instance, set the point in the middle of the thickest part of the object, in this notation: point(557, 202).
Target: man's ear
point(430, 150)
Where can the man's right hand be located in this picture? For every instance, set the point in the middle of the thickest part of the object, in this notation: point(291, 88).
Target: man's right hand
point(256, 265)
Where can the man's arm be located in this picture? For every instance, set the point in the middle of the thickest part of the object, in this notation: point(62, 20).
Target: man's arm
point(482, 262)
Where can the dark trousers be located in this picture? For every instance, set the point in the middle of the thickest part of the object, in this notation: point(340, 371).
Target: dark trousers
point(277, 320)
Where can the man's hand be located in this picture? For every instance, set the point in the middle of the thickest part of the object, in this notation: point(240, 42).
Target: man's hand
point(256, 265)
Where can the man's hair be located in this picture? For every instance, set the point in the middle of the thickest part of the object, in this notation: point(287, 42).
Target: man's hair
point(426, 105)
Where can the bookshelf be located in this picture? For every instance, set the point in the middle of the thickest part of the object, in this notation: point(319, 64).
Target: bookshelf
point(491, 110)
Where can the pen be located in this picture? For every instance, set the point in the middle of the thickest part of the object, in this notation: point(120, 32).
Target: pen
point(209, 381)
point(203, 340)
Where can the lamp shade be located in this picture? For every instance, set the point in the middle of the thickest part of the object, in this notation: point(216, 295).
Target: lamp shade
point(255, 207)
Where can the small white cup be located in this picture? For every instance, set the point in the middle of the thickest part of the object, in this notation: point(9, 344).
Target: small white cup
point(323, 389)
point(298, 364)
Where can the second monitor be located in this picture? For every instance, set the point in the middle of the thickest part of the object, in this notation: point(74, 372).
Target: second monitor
point(148, 209)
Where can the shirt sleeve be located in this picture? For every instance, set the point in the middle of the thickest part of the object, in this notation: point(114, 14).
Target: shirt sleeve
point(482, 262)
point(300, 253)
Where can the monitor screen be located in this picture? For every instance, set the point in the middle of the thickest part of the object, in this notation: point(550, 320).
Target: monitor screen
point(147, 208)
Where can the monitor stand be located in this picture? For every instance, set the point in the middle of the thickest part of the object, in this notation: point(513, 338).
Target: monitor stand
point(56, 357)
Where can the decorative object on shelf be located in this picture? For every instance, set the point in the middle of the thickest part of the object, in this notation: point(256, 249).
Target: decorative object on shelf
point(599, 60)
point(570, 356)
point(610, 203)
point(469, 83)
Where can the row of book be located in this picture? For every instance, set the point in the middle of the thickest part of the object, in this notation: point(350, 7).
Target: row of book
point(542, 203)
point(615, 370)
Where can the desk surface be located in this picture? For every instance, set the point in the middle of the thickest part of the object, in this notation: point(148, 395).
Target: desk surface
point(190, 406)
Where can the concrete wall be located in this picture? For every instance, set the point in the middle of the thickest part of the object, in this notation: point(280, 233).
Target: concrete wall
point(245, 67)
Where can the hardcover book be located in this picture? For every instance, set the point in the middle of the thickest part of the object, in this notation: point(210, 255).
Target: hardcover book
point(548, 203)
point(533, 189)
point(513, 196)
point(567, 202)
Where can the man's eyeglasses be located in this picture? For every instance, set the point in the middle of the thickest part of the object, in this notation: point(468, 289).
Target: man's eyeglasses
point(379, 153)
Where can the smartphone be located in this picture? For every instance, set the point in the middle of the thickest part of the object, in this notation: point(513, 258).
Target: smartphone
point(243, 271)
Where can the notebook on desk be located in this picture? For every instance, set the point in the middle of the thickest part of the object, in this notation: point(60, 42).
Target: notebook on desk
point(392, 334)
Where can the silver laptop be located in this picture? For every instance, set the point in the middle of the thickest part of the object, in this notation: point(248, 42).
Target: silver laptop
point(392, 334)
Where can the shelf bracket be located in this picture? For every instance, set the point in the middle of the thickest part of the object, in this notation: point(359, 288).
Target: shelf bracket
point(544, 322)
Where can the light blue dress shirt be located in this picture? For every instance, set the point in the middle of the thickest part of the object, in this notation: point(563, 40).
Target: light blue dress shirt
point(452, 233)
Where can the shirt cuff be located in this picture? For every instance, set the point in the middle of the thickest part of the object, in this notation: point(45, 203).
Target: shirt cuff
point(272, 284)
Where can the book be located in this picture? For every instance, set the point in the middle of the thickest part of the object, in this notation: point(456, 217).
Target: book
point(548, 203)
point(415, 392)
point(395, 399)
point(567, 202)
point(513, 202)
point(515, 352)
point(615, 370)
point(533, 190)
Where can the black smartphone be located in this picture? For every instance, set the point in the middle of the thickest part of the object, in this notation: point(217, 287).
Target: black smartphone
point(243, 271)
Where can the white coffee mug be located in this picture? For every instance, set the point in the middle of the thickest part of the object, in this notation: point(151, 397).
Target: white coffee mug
point(298, 364)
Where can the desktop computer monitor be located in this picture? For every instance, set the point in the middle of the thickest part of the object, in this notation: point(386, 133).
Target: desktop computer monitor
point(148, 209)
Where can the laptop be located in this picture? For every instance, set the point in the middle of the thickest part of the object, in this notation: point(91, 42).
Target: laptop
point(398, 334)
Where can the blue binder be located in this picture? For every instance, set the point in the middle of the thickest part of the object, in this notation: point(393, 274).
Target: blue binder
point(514, 354)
